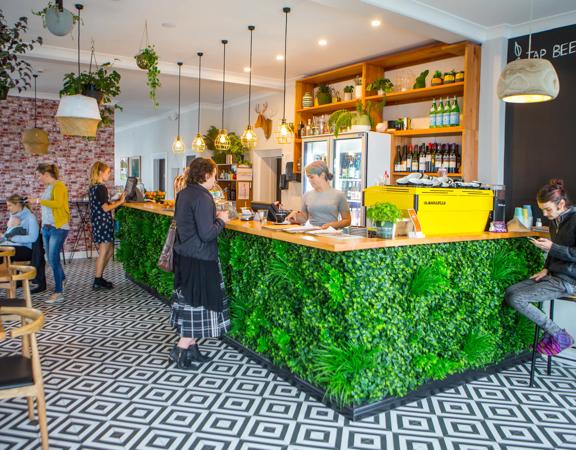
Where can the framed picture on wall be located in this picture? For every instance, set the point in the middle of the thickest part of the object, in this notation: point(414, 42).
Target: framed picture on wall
point(189, 159)
point(134, 166)
point(123, 170)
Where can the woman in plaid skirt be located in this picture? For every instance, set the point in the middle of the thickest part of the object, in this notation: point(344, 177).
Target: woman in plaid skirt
point(200, 305)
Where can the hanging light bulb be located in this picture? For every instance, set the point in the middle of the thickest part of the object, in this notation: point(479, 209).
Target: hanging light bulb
point(198, 144)
point(285, 131)
point(528, 80)
point(222, 141)
point(248, 137)
point(178, 144)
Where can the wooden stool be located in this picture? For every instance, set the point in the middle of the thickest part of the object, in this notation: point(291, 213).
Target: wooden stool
point(21, 375)
point(6, 282)
point(567, 298)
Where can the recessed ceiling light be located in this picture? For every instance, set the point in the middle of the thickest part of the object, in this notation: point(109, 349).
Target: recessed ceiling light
point(322, 42)
point(246, 69)
point(376, 23)
point(168, 25)
point(279, 57)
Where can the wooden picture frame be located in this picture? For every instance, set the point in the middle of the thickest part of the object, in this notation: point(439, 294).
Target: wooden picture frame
point(135, 167)
point(124, 164)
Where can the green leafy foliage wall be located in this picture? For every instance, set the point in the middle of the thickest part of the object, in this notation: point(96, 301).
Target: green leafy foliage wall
point(356, 323)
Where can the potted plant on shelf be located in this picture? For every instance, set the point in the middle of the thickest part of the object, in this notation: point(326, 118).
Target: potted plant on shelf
point(437, 78)
point(381, 85)
point(323, 95)
point(384, 216)
point(59, 22)
point(358, 120)
point(449, 77)
point(14, 71)
point(348, 90)
point(358, 88)
point(147, 59)
point(336, 97)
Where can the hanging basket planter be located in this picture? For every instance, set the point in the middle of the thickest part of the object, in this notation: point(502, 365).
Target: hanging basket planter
point(35, 141)
point(90, 90)
point(142, 61)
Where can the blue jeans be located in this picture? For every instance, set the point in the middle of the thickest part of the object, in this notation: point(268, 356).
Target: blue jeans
point(53, 242)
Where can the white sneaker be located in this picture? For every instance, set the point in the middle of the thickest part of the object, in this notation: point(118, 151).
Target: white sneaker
point(56, 297)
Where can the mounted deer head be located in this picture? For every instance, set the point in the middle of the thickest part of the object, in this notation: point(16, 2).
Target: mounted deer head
point(264, 119)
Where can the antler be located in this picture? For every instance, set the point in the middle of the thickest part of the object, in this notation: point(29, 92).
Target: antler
point(271, 113)
point(257, 109)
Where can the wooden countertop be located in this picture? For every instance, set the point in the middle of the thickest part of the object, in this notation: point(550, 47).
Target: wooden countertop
point(336, 244)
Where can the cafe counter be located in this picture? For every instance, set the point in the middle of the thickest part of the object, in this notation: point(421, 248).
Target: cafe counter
point(365, 324)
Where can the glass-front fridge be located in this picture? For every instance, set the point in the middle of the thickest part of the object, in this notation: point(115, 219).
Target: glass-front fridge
point(348, 166)
point(314, 149)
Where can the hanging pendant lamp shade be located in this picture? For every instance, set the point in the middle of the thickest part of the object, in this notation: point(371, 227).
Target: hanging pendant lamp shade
point(198, 144)
point(178, 144)
point(78, 115)
point(285, 132)
point(222, 141)
point(248, 137)
point(35, 140)
point(529, 80)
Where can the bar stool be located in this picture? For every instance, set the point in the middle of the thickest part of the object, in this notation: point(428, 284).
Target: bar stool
point(567, 298)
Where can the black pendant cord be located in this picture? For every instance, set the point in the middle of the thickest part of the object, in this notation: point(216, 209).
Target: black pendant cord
point(223, 80)
point(35, 108)
point(79, 8)
point(179, 72)
point(286, 11)
point(251, 28)
point(199, 91)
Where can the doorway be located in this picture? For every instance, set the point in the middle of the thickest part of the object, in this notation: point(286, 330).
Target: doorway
point(160, 174)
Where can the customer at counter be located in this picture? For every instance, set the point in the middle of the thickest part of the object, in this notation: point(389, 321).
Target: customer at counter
point(200, 305)
point(558, 277)
point(324, 206)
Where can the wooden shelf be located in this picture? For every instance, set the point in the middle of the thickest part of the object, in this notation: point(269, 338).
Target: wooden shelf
point(329, 107)
point(332, 76)
point(423, 132)
point(416, 95)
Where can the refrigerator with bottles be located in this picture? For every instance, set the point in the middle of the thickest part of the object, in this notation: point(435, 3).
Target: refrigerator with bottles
point(357, 160)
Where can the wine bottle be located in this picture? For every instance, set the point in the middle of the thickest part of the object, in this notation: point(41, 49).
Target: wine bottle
point(409, 159)
point(428, 164)
point(440, 113)
point(446, 113)
point(415, 159)
point(432, 116)
point(398, 159)
point(455, 113)
point(404, 159)
point(422, 159)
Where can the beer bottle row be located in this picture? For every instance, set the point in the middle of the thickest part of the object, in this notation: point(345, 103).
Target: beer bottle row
point(428, 158)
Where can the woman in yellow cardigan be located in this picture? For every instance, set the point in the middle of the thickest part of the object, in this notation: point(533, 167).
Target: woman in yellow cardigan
point(55, 222)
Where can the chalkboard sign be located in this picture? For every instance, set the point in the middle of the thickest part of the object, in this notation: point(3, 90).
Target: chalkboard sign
point(540, 140)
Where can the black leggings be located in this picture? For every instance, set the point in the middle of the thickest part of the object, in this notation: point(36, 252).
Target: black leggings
point(22, 253)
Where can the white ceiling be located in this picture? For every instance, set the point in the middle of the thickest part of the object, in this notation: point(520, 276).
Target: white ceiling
point(117, 29)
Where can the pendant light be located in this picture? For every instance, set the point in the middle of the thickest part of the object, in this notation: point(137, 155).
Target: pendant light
point(35, 140)
point(178, 144)
point(198, 144)
point(78, 115)
point(248, 138)
point(528, 80)
point(222, 141)
point(285, 132)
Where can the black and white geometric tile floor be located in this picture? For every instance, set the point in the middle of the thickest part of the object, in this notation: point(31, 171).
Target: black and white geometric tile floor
point(104, 360)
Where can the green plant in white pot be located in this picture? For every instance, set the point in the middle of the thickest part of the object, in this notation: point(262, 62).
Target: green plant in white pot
point(384, 216)
point(348, 91)
point(381, 86)
point(358, 120)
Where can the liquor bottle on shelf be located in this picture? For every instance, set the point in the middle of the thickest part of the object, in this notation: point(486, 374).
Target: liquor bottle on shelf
point(398, 159)
point(455, 113)
point(428, 164)
point(309, 128)
point(439, 113)
point(432, 157)
point(446, 113)
point(301, 130)
point(445, 156)
point(432, 116)
point(422, 159)
point(458, 158)
point(408, 158)
point(415, 159)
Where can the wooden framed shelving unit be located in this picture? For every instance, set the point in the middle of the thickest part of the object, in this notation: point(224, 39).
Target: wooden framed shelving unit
point(229, 185)
point(373, 69)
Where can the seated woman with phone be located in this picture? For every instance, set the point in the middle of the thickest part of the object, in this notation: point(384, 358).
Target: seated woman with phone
point(324, 206)
point(558, 277)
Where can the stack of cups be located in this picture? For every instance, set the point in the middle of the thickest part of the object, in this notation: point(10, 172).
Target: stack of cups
point(524, 215)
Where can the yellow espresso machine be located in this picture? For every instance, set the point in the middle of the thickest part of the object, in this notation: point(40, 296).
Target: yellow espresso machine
point(440, 211)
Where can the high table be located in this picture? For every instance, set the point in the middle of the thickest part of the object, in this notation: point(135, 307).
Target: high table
point(362, 324)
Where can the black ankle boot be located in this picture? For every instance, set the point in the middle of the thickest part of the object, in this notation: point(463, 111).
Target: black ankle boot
point(180, 357)
point(195, 355)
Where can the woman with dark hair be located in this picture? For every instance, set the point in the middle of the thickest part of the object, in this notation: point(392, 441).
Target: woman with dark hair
point(55, 222)
point(324, 206)
point(558, 277)
point(22, 228)
point(200, 305)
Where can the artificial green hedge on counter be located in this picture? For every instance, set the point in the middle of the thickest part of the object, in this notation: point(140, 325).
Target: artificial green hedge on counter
point(362, 324)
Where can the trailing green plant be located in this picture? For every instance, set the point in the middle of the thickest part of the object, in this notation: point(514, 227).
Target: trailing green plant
point(383, 212)
point(42, 13)
point(343, 119)
point(15, 73)
point(508, 267)
point(381, 84)
point(430, 278)
point(348, 89)
point(236, 149)
point(147, 60)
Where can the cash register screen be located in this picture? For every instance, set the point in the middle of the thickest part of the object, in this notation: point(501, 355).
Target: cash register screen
point(130, 188)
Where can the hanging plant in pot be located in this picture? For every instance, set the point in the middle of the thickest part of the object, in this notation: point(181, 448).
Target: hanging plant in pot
point(384, 216)
point(358, 120)
point(147, 60)
point(15, 73)
point(57, 19)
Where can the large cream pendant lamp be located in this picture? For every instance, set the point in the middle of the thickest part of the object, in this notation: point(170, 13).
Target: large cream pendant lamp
point(35, 140)
point(78, 115)
point(529, 80)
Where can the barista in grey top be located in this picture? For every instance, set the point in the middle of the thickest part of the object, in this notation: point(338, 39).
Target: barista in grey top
point(324, 206)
